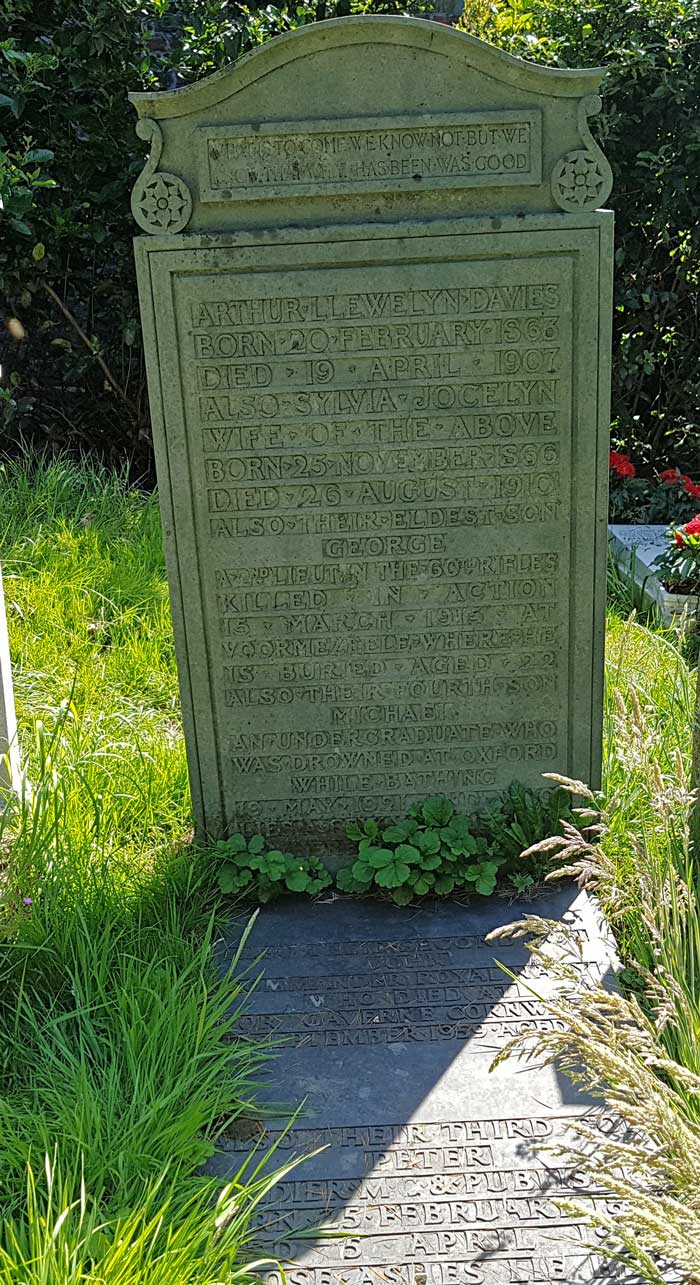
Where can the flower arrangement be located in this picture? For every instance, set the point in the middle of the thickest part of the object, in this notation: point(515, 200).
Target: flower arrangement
point(679, 566)
point(621, 465)
point(674, 477)
point(666, 497)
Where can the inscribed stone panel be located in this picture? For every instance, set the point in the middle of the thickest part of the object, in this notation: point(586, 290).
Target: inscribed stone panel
point(382, 454)
point(433, 1170)
point(303, 158)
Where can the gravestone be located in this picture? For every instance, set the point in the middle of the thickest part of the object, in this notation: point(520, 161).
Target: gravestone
point(375, 285)
point(9, 750)
point(434, 1170)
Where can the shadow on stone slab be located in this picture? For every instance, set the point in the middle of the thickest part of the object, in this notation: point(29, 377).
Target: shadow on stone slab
point(435, 1169)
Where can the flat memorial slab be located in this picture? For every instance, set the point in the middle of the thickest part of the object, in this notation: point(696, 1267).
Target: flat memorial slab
point(434, 1169)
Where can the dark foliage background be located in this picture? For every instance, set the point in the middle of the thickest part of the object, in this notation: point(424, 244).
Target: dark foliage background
point(71, 349)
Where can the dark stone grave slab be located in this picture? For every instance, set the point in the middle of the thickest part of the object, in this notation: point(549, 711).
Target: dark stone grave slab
point(435, 1169)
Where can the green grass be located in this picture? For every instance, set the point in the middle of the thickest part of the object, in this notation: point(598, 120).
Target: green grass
point(650, 881)
point(119, 1065)
point(115, 1068)
point(90, 627)
point(639, 1050)
point(164, 1240)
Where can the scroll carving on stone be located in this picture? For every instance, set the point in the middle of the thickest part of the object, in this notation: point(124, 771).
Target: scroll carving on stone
point(582, 179)
point(159, 202)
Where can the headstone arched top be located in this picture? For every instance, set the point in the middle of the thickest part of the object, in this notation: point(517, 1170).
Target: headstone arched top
point(379, 116)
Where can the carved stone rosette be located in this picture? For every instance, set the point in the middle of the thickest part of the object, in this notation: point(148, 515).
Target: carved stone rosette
point(159, 202)
point(582, 179)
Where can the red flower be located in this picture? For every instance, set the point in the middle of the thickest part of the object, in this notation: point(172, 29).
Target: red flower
point(693, 527)
point(622, 465)
point(679, 539)
point(670, 475)
point(692, 488)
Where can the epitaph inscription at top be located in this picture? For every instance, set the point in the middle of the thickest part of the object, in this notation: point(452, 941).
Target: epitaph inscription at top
point(304, 157)
point(378, 366)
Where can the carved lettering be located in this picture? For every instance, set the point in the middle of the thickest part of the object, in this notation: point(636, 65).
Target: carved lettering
point(393, 153)
point(360, 455)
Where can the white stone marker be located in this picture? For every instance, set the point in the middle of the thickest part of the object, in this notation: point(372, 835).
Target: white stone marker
point(9, 751)
point(635, 550)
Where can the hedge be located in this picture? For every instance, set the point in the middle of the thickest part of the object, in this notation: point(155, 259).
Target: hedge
point(73, 373)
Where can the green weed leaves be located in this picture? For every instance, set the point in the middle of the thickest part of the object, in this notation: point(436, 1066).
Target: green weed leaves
point(248, 869)
point(435, 851)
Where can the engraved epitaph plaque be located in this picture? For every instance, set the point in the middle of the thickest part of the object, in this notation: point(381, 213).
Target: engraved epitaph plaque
point(378, 353)
point(434, 1170)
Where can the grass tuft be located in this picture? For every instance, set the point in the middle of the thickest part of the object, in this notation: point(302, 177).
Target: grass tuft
point(119, 1063)
point(639, 1050)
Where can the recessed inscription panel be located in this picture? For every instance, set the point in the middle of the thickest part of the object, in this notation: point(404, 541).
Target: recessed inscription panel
point(379, 459)
point(381, 481)
point(464, 1200)
point(370, 154)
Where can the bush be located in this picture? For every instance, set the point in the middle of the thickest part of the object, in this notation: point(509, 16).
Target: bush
point(649, 131)
point(73, 359)
point(667, 496)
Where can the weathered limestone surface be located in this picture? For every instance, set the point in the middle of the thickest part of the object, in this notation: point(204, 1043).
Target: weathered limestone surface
point(9, 752)
point(436, 1170)
point(376, 299)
